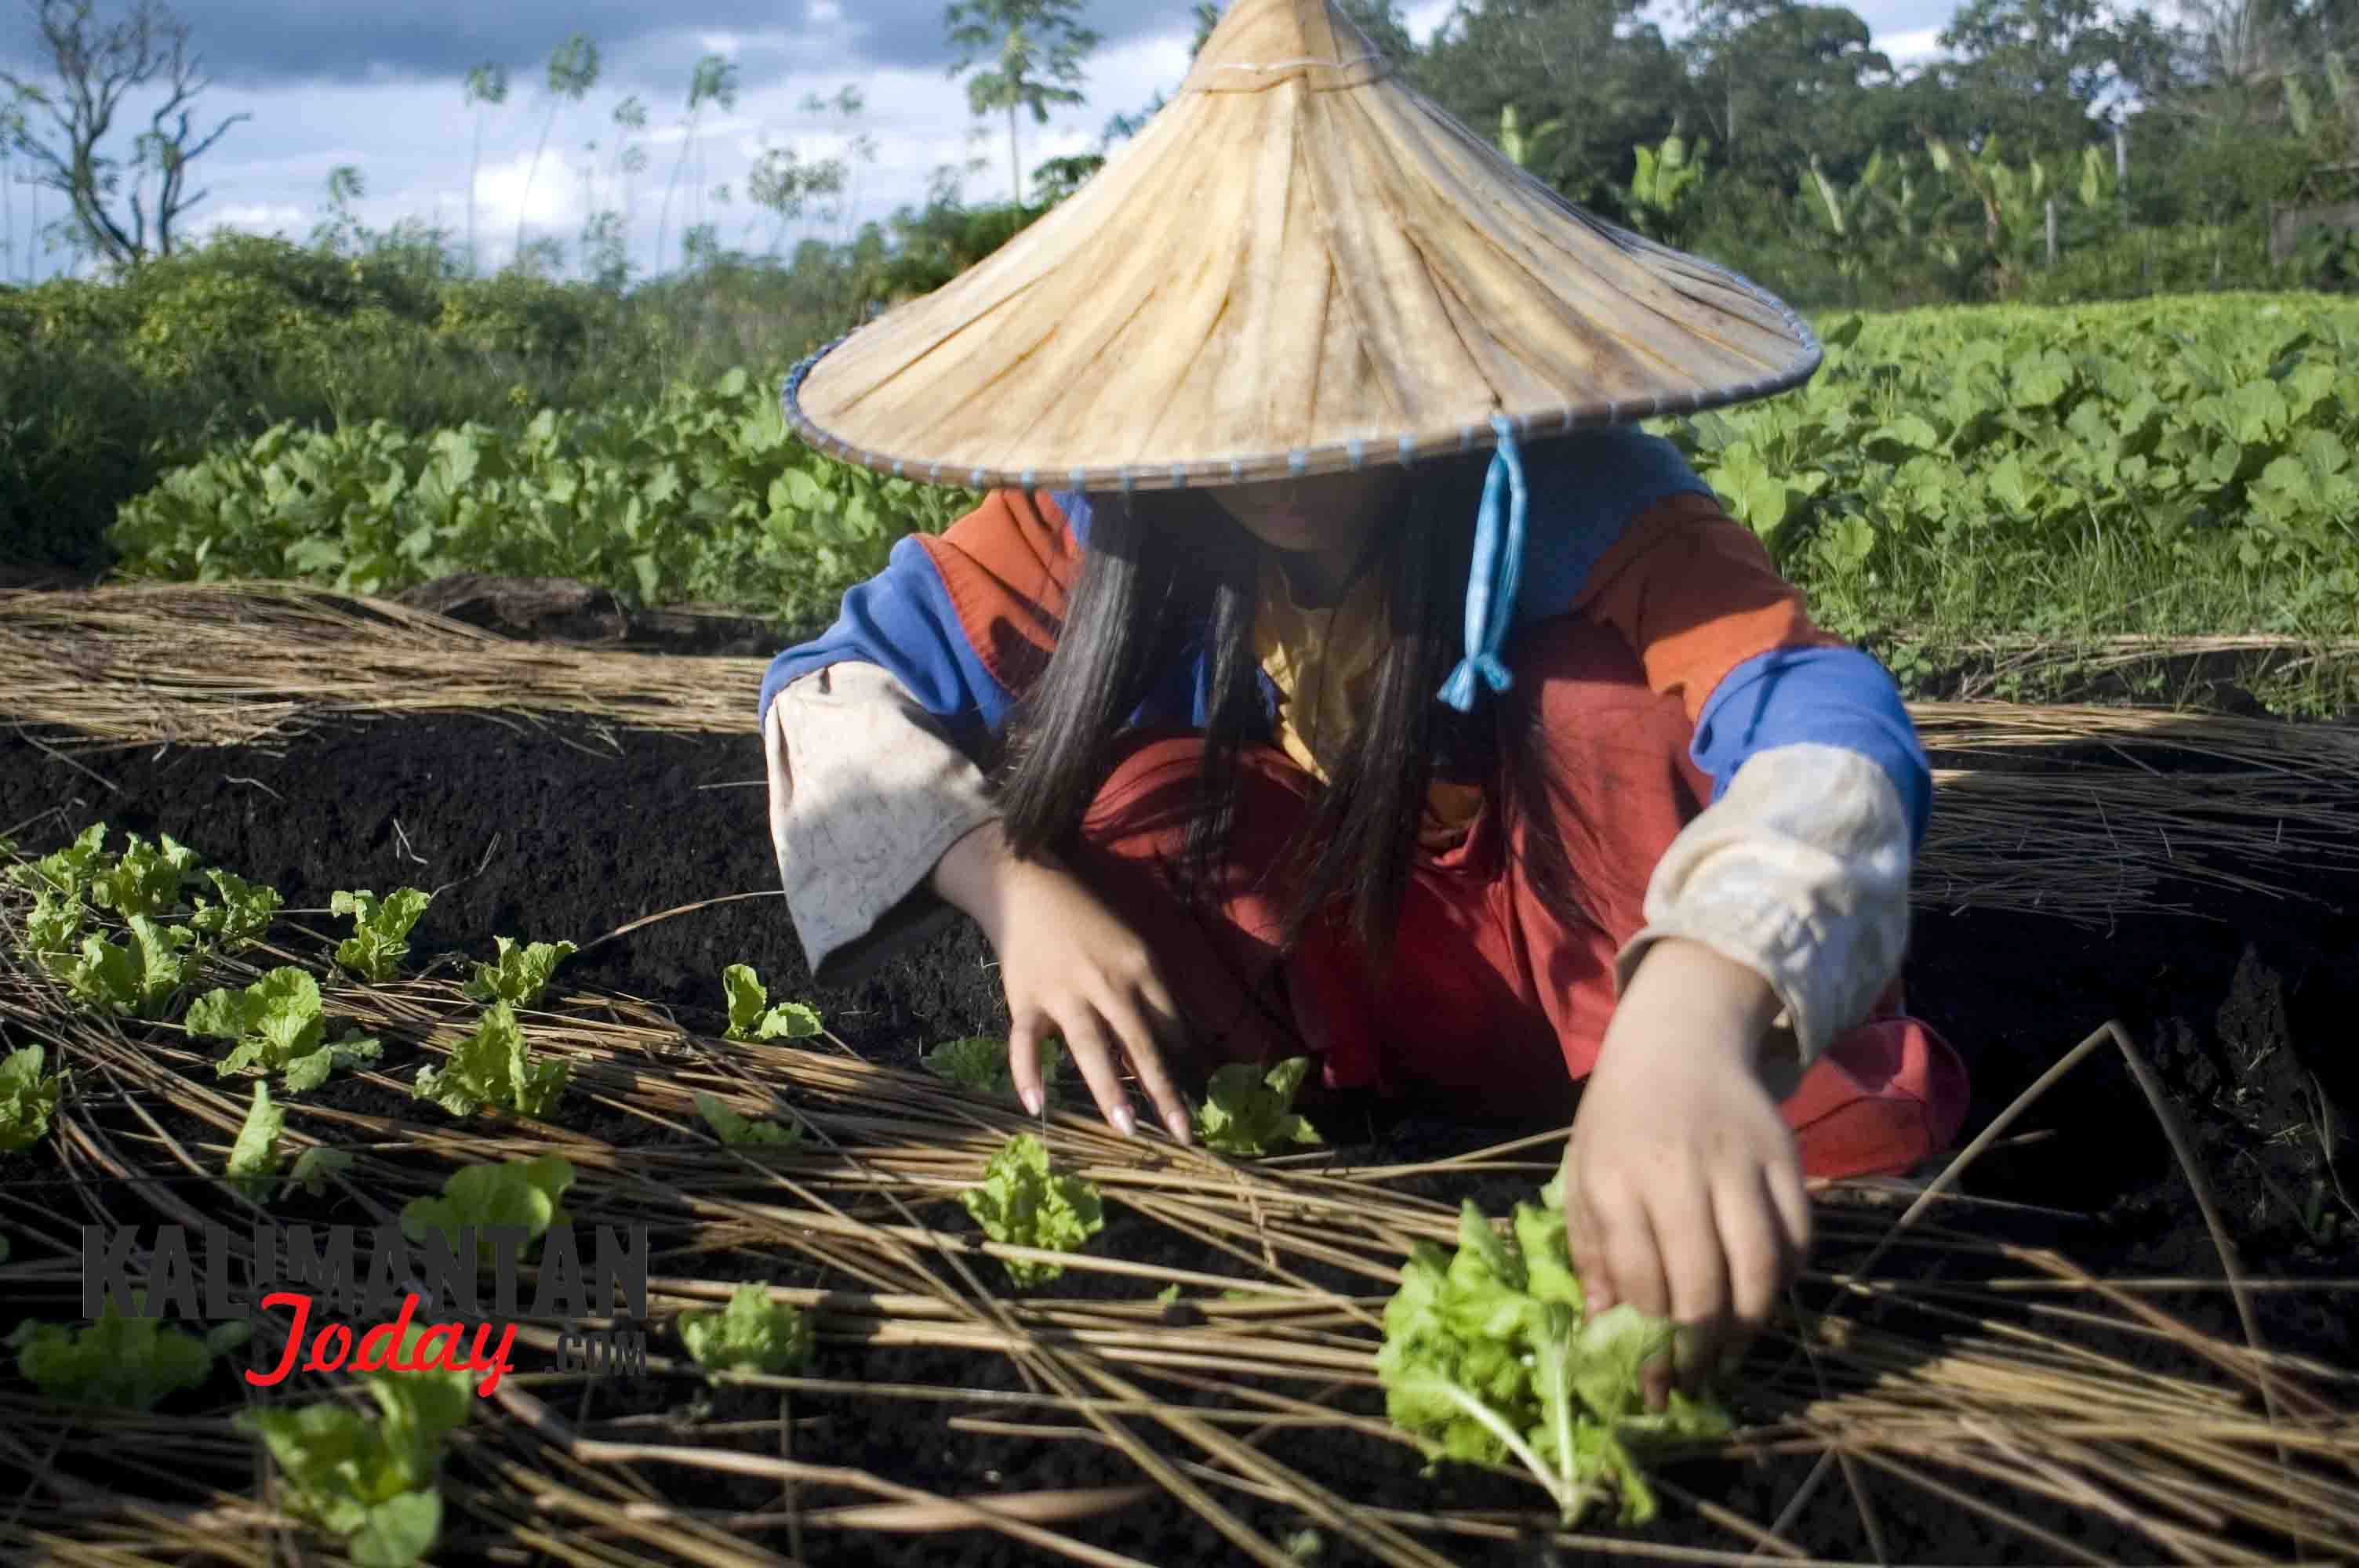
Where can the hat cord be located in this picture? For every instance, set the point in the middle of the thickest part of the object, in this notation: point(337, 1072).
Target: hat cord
point(1491, 585)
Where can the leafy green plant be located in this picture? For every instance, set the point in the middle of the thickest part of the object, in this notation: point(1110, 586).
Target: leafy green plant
point(128, 1363)
point(1021, 1203)
point(137, 975)
point(314, 1168)
point(738, 1130)
point(520, 1194)
point(751, 1016)
point(1490, 1354)
point(279, 1027)
point(980, 1063)
point(381, 928)
point(70, 870)
point(495, 1067)
point(370, 1481)
point(244, 912)
point(145, 879)
point(520, 973)
point(752, 1333)
point(1250, 1113)
point(28, 1100)
point(252, 1166)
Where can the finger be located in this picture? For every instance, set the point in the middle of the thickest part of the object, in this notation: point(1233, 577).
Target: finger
point(1696, 1269)
point(1634, 1265)
point(1581, 1239)
point(1793, 1200)
point(1171, 1025)
point(1093, 1052)
point(1135, 1028)
point(1754, 1234)
point(1024, 1057)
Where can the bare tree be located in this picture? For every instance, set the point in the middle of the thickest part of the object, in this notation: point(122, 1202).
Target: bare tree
point(99, 64)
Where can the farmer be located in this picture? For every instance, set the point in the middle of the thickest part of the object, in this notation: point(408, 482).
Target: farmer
point(1334, 667)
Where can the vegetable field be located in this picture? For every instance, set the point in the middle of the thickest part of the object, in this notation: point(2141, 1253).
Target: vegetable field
point(895, 1320)
point(2171, 467)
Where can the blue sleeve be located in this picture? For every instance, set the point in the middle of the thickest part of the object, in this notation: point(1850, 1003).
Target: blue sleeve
point(1586, 489)
point(1831, 697)
point(902, 618)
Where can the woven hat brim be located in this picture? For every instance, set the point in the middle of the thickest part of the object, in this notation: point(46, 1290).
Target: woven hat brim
point(1194, 318)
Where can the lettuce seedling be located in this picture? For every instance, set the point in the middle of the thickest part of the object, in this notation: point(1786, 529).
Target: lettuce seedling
point(520, 973)
point(314, 1168)
point(244, 914)
point(254, 1157)
point(28, 1100)
point(129, 1363)
point(381, 928)
point(521, 1193)
point(740, 1131)
point(369, 1481)
point(53, 931)
point(1020, 1204)
point(1250, 1113)
point(145, 879)
point(67, 871)
point(751, 1016)
point(495, 1067)
point(139, 976)
point(279, 1026)
point(752, 1333)
point(1491, 1354)
point(980, 1063)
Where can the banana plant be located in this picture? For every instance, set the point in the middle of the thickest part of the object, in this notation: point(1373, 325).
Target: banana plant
point(1534, 153)
point(1666, 184)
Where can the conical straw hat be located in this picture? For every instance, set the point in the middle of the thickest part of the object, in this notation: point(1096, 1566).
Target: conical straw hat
point(1300, 265)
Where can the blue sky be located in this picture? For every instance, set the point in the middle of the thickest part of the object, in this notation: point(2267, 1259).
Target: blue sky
point(330, 82)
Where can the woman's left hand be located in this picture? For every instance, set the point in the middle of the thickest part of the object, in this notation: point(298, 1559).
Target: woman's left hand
point(1683, 1189)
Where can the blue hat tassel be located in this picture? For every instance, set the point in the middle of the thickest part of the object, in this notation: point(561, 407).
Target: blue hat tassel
point(1491, 585)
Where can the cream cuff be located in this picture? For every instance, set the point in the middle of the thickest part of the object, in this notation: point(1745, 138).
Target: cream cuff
point(1799, 871)
point(867, 792)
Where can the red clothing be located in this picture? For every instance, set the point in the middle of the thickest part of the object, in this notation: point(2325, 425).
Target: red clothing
point(1494, 1005)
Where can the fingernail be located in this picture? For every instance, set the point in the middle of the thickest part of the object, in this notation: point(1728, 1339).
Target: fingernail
point(1178, 1122)
point(1124, 1122)
point(1031, 1098)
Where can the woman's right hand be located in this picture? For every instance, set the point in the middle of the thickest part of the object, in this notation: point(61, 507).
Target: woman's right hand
point(1071, 968)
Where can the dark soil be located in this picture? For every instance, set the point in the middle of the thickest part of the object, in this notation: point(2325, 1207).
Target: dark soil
point(546, 830)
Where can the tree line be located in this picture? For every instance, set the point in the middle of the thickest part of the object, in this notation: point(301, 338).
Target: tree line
point(1766, 129)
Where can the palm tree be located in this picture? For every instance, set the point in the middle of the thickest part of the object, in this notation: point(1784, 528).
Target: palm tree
point(572, 72)
point(715, 81)
point(486, 84)
point(1038, 44)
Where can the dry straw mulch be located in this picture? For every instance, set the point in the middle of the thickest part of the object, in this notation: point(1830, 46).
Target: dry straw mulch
point(2082, 812)
point(1926, 1363)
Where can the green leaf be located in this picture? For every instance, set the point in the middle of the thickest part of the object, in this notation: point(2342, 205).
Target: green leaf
point(28, 1100)
point(980, 1063)
point(1249, 1113)
point(521, 1193)
point(1021, 1203)
point(520, 973)
point(494, 1066)
point(751, 1016)
point(254, 1157)
point(742, 1132)
point(129, 1363)
point(244, 914)
point(314, 1168)
point(381, 929)
point(398, 1531)
point(753, 1334)
point(280, 1028)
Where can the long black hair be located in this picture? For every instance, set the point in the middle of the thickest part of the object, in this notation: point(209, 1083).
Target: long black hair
point(1164, 569)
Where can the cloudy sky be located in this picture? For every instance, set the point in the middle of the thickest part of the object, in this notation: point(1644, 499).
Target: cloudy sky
point(380, 88)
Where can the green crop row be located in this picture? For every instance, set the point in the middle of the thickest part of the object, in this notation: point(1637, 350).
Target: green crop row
point(1961, 465)
point(702, 495)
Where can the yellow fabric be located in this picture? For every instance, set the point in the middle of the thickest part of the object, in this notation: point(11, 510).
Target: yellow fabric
point(1323, 663)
